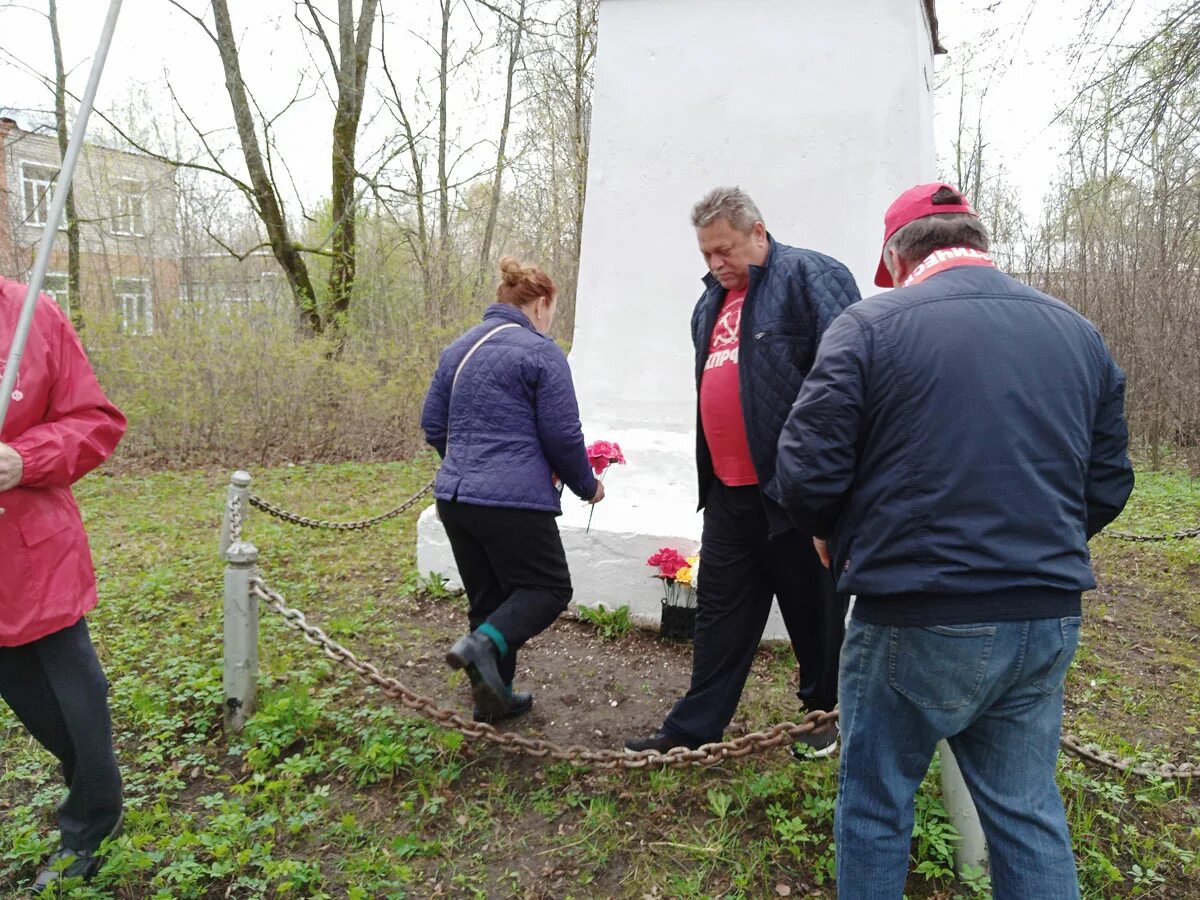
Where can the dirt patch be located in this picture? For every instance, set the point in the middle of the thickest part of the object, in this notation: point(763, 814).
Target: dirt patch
point(1139, 661)
point(587, 690)
point(1134, 676)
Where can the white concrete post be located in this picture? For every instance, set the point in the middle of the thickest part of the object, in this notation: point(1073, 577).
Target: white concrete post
point(241, 635)
point(241, 608)
point(971, 851)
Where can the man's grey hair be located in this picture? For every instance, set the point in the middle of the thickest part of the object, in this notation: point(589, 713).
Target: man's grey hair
point(729, 203)
point(920, 237)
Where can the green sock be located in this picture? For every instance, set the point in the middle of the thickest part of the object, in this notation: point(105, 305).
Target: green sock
point(496, 637)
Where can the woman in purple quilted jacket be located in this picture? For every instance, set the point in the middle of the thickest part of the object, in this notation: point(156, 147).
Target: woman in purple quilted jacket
point(502, 414)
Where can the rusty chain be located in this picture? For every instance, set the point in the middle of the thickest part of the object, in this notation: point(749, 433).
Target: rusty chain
point(307, 522)
point(1153, 538)
point(1092, 753)
point(706, 755)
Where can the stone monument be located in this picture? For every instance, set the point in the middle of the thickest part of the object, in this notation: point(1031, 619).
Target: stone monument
point(823, 113)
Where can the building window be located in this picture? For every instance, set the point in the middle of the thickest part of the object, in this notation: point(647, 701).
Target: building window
point(129, 213)
point(133, 300)
point(57, 285)
point(36, 184)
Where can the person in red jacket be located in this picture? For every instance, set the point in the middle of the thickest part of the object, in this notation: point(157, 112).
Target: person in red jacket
point(59, 427)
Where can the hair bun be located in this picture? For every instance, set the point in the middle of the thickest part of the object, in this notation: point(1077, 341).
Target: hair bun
point(521, 284)
point(512, 273)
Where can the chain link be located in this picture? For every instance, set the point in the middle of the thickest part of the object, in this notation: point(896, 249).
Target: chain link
point(785, 733)
point(1153, 538)
point(307, 522)
point(1092, 753)
point(235, 519)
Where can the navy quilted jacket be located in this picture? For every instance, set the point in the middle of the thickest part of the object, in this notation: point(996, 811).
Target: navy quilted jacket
point(961, 437)
point(790, 302)
point(512, 419)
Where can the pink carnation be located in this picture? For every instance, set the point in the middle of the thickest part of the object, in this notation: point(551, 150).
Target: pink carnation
point(602, 454)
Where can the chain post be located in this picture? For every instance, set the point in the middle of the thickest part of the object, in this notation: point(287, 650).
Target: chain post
point(241, 635)
point(236, 503)
point(971, 850)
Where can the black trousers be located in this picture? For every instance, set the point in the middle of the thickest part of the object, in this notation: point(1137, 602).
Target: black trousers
point(513, 567)
point(741, 569)
point(56, 687)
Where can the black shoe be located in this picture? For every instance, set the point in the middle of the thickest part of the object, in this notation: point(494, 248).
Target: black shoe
point(816, 744)
point(477, 654)
point(659, 741)
point(519, 703)
point(67, 863)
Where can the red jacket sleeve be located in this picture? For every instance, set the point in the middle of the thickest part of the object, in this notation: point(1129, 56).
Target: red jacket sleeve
point(81, 427)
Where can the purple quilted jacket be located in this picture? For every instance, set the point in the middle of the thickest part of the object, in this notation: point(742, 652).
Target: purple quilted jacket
point(511, 420)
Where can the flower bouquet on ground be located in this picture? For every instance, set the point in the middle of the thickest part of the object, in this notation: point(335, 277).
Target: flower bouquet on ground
point(602, 454)
point(678, 574)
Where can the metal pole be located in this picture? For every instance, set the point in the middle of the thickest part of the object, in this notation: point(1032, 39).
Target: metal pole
point(58, 202)
point(241, 636)
point(241, 607)
point(971, 850)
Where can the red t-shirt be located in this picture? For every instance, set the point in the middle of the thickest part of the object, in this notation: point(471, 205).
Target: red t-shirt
point(721, 398)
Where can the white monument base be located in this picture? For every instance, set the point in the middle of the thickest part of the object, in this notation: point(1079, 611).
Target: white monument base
point(651, 504)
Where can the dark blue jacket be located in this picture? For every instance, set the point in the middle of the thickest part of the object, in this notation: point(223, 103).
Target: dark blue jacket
point(512, 419)
point(961, 438)
point(790, 302)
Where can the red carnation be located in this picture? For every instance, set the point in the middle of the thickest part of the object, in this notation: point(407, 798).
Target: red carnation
point(669, 562)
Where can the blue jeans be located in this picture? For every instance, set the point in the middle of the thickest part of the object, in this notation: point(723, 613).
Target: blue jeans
point(995, 691)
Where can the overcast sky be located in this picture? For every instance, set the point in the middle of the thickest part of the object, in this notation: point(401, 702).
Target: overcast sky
point(1027, 58)
point(1020, 50)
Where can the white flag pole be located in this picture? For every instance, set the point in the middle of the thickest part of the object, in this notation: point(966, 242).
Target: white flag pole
point(59, 201)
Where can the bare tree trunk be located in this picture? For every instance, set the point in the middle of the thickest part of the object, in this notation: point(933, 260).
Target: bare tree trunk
point(266, 200)
point(351, 70)
point(585, 50)
point(74, 292)
point(489, 229)
point(447, 7)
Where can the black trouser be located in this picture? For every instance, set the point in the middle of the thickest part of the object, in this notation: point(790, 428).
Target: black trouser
point(58, 691)
point(513, 567)
point(740, 570)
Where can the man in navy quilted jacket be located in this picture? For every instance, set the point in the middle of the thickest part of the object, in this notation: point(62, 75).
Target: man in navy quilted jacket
point(755, 331)
point(957, 441)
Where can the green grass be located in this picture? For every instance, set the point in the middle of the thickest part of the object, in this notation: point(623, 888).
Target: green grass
point(334, 791)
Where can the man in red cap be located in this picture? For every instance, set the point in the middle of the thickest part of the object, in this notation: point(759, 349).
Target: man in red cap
point(59, 427)
point(957, 442)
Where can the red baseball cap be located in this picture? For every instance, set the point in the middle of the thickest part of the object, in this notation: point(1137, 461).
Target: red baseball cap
point(915, 203)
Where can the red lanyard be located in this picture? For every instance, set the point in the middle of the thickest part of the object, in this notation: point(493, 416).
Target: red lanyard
point(950, 258)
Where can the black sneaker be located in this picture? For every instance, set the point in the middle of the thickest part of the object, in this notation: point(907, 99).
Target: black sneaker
point(659, 741)
point(68, 863)
point(519, 703)
point(477, 654)
point(816, 744)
